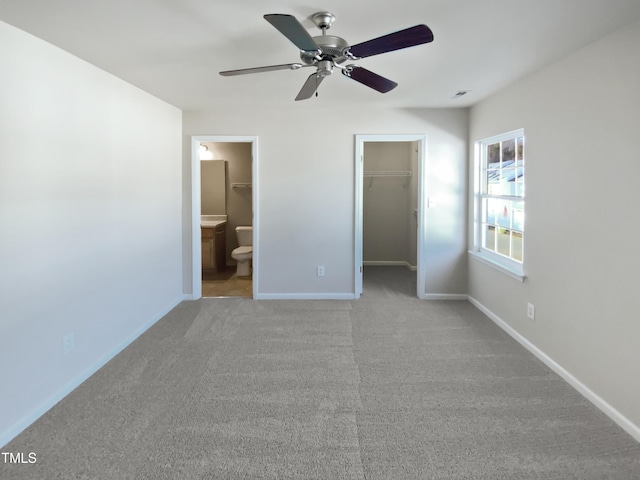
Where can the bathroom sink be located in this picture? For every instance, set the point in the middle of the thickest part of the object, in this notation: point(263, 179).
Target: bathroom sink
point(212, 221)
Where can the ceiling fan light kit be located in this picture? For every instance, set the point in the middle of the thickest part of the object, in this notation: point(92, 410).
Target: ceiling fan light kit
point(326, 52)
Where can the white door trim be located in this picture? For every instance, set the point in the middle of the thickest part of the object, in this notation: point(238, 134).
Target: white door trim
point(359, 171)
point(196, 243)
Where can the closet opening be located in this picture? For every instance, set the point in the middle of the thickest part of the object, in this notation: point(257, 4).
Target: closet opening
point(388, 227)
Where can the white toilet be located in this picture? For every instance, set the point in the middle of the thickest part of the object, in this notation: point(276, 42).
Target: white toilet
point(244, 252)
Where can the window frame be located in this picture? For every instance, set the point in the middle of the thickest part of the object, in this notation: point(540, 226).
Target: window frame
point(503, 263)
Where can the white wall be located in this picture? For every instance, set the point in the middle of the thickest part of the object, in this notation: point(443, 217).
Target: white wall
point(90, 218)
point(306, 188)
point(581, 118)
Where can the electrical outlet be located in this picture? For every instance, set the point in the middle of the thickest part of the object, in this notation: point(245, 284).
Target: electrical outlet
point(68, 342)
point(531, 311)
point(320, 271)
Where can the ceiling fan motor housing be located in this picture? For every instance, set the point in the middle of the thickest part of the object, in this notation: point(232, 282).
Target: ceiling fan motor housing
point(331, 48)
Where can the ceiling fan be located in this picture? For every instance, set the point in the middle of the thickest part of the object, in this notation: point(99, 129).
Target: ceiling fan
point(327, 52)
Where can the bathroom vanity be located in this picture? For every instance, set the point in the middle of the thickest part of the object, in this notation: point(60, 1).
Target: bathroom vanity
point(214, 249)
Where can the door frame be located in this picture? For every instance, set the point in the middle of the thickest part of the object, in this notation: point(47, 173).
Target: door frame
point(359, 182)
point(196, 242)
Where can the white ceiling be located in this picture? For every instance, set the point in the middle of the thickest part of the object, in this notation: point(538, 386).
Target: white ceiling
point(174, 49)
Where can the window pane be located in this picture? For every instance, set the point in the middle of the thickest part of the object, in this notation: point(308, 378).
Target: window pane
point(519, 189)
point(509, 150)
point(490, 237)
point(493, 155)
point(520, 173)
point(503, 214)
point(508, 181)
point(516, 246)
point(489, 211)
point(520, 151)
point(504, 241)
point(492, 187)
point(518, 216)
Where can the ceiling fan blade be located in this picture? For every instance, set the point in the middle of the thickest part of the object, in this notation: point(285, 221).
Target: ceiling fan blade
point(270, 68)
point(309, 87)
point(408, 37)
point(370, 79)
point(291, 28)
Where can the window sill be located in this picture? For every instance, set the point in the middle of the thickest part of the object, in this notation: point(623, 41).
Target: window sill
point(501, 268)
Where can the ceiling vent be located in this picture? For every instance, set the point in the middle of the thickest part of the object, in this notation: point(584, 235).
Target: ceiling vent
point(460, 93)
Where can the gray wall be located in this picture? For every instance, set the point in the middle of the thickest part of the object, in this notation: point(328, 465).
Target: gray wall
point(581, 118)
point(90, 209)
point(213, 187)
point(307, 191)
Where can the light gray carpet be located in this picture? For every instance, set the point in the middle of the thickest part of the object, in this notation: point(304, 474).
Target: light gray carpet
point(387, 387)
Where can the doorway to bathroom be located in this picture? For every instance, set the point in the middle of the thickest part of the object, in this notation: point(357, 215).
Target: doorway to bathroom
point(389, 229)
point(224, 198)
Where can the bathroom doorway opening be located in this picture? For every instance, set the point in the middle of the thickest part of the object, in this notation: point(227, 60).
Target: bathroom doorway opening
point(389, 230)
point(224, 196)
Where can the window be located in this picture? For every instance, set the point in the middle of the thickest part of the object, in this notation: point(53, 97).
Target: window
point(500, 200)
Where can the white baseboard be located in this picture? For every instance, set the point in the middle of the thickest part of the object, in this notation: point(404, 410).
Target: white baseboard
point(19, 426)
point(393, 263)
point(626, 424)
point(349, 296)
point(443, 296)
point(305, 296)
